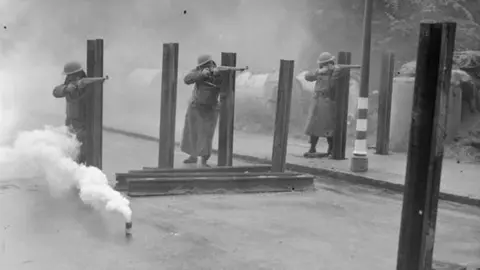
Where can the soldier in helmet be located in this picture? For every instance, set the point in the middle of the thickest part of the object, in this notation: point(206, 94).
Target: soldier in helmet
point(202, 113)
point(74, 91)
point(321, 118)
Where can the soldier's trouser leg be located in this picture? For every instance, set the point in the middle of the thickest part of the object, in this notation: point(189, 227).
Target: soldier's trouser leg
point(330, 145)
point(313, 144)
point(81, 137)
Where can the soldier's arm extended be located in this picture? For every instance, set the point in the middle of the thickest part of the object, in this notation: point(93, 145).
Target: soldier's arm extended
point(193, 77)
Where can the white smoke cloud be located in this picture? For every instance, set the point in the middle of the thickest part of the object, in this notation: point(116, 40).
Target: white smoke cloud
point(49, 154)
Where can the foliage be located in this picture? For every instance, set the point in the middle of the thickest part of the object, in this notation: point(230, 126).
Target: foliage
point(404, 15)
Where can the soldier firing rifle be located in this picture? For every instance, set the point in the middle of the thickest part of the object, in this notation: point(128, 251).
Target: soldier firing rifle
point(74, 91)
point(202, 113)
point(321, 119)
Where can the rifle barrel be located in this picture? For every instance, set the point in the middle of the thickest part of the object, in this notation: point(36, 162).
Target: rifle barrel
point(225, 68)
point(350, 66)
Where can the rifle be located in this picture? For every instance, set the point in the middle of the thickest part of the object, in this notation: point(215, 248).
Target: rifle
point(225, 68)
point(325, 69)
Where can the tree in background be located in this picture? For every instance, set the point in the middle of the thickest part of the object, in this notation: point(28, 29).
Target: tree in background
point(337, 25)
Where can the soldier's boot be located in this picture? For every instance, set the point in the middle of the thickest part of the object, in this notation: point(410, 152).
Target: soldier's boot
point(190, 160)
point(204, 161)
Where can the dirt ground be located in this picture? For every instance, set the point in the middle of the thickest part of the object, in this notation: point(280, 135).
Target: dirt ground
point(336, 227)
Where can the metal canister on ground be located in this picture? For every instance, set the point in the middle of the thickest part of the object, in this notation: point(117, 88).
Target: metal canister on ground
point(128, 229)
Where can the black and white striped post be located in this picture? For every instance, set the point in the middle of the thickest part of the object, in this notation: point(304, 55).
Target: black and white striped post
point(359, 161)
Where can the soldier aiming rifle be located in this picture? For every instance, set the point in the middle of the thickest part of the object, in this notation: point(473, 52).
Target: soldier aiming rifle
point(321, 119)
point(74, 92)
point(202, 113)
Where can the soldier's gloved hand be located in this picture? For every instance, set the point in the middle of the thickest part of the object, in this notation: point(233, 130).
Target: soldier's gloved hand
point(215, 71)
point(81, 84)
point(321, 71)
point(206, 72)
point(70, 88)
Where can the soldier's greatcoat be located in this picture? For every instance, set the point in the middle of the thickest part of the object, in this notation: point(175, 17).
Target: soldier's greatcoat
point(202, 114)
point(321, 117)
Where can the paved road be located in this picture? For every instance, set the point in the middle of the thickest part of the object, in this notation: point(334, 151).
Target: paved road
point(337, 227)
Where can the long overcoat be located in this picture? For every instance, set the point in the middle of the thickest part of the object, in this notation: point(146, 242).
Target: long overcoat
point(202, 114)
point(322, 116)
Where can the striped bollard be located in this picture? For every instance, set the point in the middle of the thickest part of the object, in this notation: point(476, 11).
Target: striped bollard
point(359, 161)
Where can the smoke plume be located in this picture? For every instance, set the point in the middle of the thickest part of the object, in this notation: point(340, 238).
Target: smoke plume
point(48, 155)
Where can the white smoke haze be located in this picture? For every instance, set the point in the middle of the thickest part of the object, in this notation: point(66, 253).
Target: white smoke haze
point(48, 155)
point(40, 36)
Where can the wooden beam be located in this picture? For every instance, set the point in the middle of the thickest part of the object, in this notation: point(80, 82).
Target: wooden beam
point(385, 103)
point(123, 178)
point(256, 168)
point(168, 106)
point(241, 184)
point(282, 115)
point(227, 112)
point(94, 105)
point(342, 93)
point(194, 174)
point(425, 151)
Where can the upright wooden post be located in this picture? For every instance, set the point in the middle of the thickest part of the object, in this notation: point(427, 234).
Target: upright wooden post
point(425, 151)
point(227, 112)
point(94, 105)
point(359, 161)
point(168, 106)
point(282, 115)
point(341, 110)
point(385, 103)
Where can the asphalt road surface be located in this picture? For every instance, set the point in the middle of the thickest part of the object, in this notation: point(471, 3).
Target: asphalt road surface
point(336, 227)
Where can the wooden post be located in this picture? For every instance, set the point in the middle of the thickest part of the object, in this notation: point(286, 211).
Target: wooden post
point(359, 161)
point(385, 103)
point(282, 115)
point(227, 112)
point(168, 106)
point(341, 110)
point(425, 151)
point(94, 105)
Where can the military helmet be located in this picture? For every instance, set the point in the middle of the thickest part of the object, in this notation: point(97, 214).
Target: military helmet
point(203, 59)
point(72, 67)
point(325, 57)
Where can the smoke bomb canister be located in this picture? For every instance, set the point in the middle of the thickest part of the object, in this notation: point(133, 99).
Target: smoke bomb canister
point(128, 228)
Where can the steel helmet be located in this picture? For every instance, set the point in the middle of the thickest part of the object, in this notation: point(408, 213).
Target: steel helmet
point(325, 57)
point(203, 59)
point(72, 67)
